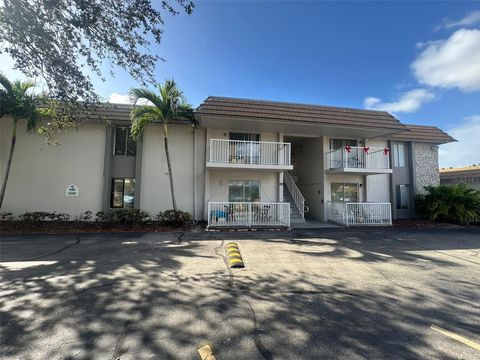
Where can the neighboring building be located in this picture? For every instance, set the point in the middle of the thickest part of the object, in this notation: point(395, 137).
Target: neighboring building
point(248, 163)
point(469, 175)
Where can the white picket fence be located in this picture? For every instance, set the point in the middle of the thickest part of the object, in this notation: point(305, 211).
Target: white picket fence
point(248, 214)
point(360, 213)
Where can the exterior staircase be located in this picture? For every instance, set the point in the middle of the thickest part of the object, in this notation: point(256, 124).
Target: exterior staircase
point(295, 215)
point(297, 208)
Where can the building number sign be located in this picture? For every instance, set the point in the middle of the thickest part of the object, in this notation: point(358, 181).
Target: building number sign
point(72, 190)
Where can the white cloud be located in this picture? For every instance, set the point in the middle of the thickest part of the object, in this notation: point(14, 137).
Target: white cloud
point(470, 19)
point(451, 63)
point(408, 102)
point(116, 98)
point(465, 151)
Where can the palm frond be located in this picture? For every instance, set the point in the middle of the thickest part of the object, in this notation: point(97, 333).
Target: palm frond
point(141, 117)
point(170, 103)
point(139, 93)
point(7, 85)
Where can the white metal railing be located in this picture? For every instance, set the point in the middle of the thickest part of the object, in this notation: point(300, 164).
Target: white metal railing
point(360, 213)
point(295, 192)
point(249, 152)
point(358, 158)
point(248, 214)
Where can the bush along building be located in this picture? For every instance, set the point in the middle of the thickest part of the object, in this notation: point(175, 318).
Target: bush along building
point(248, 163)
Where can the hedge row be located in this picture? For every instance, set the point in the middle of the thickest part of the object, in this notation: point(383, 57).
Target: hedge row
point(121, 216)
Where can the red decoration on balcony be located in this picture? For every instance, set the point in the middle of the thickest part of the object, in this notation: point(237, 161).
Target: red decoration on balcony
point(348, 149)
point(385, 151)
point(365, 149)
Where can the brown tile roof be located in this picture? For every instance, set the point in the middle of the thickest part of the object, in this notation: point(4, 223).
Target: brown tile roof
point(423, 133)
point(112, 112)
point(328, 115)
point(119, 113)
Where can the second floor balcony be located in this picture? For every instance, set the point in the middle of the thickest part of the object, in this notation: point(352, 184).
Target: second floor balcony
point(354, 159)
point(264, 155)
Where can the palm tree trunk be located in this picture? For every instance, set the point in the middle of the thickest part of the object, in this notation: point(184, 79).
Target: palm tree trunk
point(170, 174)
point(9, 161)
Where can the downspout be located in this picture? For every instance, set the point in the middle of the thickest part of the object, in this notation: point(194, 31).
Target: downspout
point(194, 174)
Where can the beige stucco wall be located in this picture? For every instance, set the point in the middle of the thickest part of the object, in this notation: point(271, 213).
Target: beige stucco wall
point(155, 186)
point(219, 179)
point(40, 172)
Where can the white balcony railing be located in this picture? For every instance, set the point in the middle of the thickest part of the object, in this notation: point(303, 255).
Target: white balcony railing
point(360, 213)
point(248, 214)
point(249, 152)
point(358, 158)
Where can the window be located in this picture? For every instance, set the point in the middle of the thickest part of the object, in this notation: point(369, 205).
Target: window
point(244, 136)
point(124, 144)
point(403, 196)
point(346, 192)
point(399, 154)
point(123, 193)
point(336, 144)
point(242, 152)
point(244, 191)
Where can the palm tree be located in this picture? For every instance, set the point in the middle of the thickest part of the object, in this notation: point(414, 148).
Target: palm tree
point(16, 101)
point(169, 105)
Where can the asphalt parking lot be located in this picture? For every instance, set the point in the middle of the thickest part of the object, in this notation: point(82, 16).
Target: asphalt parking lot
point(313, 294)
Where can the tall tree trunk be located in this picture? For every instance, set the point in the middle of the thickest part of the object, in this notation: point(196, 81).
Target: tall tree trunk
point(9, 161)
point(170, 174)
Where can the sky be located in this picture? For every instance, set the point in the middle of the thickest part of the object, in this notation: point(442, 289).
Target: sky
point(419, 61)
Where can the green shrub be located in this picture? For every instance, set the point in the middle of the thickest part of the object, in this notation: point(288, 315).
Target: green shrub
point(175, 218)
point(37, 216)
point(6, 216)
point(60, 217)
point(130, 216)
point(123, 216)
point(87, 216)
point(102, 216)
point(456, 204)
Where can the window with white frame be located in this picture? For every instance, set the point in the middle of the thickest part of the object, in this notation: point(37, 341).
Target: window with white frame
point(244, 191)
point(399, 154)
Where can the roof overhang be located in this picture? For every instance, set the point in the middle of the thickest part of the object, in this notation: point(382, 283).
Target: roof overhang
point(290, 127)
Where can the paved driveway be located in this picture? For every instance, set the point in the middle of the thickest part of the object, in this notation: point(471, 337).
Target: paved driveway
point(329, 294)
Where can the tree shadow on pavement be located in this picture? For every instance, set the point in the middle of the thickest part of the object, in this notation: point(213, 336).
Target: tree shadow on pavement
point(139, 298)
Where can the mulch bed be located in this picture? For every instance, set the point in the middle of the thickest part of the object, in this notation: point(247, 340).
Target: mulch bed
point(426, 224)
point(13, 227)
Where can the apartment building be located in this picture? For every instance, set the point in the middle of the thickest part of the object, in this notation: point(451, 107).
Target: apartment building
point(248, 163)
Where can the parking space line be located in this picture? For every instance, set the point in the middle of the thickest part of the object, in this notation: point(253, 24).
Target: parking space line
point(454, 336)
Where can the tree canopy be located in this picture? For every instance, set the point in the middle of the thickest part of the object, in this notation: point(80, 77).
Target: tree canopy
point(63, 41)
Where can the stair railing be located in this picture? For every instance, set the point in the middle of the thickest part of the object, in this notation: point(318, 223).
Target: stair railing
point(295, 193)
